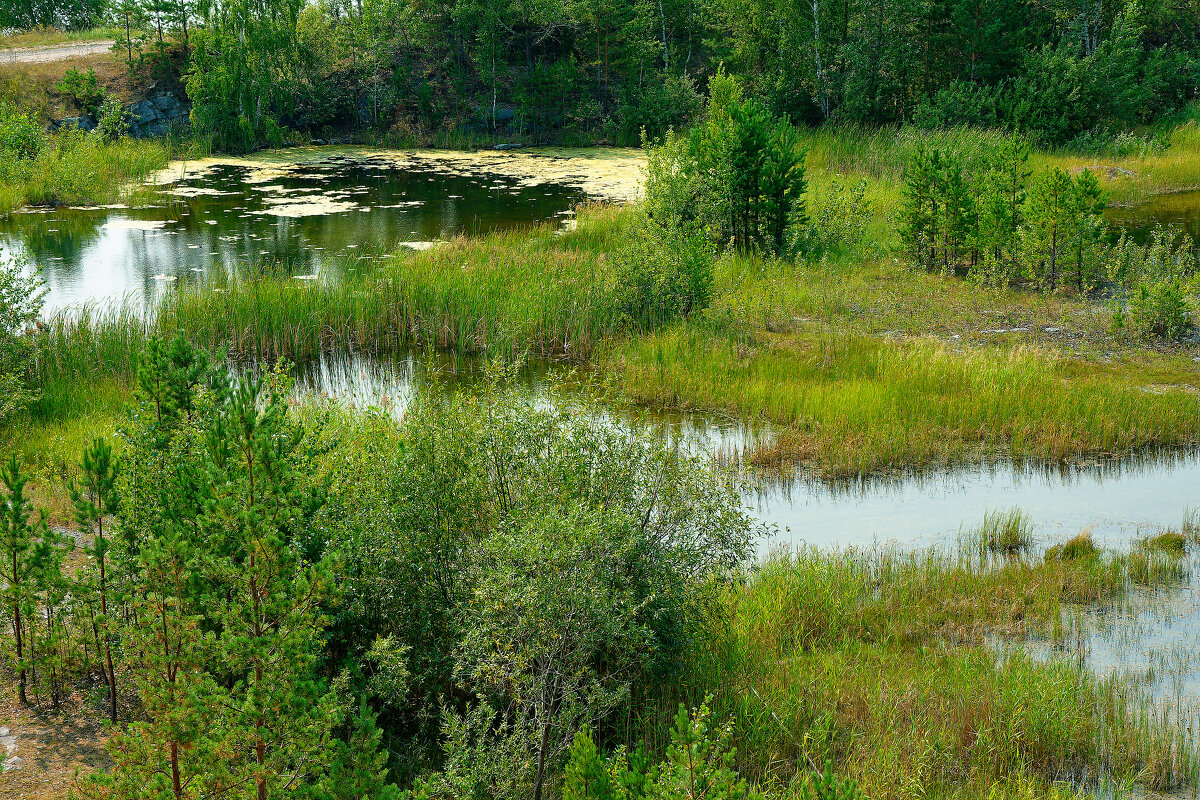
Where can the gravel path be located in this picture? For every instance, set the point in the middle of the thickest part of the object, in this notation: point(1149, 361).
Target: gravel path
point(54, 52)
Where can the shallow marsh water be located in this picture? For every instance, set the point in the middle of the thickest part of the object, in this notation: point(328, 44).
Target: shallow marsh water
point(320, 210)
point(1180, 209)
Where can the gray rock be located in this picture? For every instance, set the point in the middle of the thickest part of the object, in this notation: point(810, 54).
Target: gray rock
point(83, 123)
point(144, 111)
point(508, 146)
point(167, 104)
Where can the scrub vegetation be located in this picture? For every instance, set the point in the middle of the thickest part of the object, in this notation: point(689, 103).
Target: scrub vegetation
point(72, 167)
point(879, 227)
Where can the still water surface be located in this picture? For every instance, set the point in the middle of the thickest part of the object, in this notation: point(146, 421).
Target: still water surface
point(336, 213)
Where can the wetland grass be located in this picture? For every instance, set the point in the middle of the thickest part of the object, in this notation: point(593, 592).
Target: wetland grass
point(81, 169)
point(503, 294)
point(1004, 532)
point(877, 661)
point(853, 391)
point(854, 403)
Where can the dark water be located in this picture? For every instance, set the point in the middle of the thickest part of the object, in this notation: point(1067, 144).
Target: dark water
point(220, 224)
point(1181, 210)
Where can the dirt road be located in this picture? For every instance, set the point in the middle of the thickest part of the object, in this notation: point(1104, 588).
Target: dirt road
point(54, 52)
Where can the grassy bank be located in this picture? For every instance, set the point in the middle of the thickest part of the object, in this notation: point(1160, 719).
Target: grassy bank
point(76, 169)
point(876, 662)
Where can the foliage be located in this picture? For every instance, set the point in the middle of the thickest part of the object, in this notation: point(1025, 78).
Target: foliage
point(738, 178)
point(542, 566)
point(663, 273)
point(238, 59)
point(21, 294)
point(31, 557)
point(226, 605)
point(111, 123)
point(20, 135)
point(67, 14)
point(986, 219)
point(840, 217)
point(1160, 310)
point(83, 88)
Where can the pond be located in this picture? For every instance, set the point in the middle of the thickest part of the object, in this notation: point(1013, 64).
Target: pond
point(309, 211)
point(1178, 210)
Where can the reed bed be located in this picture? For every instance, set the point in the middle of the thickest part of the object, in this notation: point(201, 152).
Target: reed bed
point(505, 294)
point(80, 169)
point(854, 403)
point(877, 661)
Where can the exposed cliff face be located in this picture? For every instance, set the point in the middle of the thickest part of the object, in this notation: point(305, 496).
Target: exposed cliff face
point(158, 114)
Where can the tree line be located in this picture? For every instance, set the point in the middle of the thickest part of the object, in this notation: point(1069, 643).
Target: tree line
point(999, 223)
point(602, 70)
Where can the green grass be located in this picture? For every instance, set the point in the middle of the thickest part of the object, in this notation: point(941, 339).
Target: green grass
point(507, 293)
point(76, 169)
point(876, 661)
point(855, 403)
point(1003, 532)
point(44, 37)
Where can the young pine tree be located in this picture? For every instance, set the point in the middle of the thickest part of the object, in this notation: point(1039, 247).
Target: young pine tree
point(920, 212)
point(95, 500)
point(1051, 221)
point(269, 606)
point(19, 535)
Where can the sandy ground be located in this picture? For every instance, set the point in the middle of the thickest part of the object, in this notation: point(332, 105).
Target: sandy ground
point(609, 173)
point(54, 52)
point(51, 745)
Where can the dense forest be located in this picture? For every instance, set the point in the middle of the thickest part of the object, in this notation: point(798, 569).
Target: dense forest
point(601, 71)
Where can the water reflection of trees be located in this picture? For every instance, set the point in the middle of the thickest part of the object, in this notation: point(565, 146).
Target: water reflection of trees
point(223, 232)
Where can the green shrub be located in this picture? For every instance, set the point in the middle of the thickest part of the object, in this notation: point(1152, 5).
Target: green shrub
point(826, 787)
point(20, 135)
point(83, 88)
point(111, 123)
point(21, 296)
point(1160, 310)
point(738, 177)
point(664, 273)
point(839, 221)
point(698, 764)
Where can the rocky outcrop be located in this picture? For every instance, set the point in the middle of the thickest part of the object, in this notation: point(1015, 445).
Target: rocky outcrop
point(154, 116)
point(84, 123)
